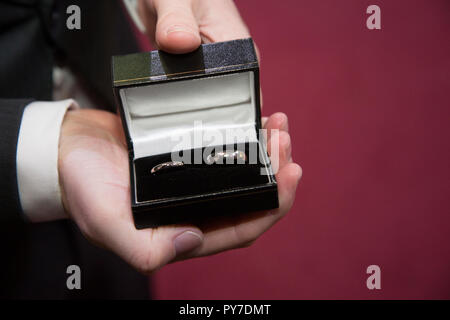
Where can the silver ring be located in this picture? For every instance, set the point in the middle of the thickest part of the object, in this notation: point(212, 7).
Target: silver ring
point(166, 165)
point(223, 156)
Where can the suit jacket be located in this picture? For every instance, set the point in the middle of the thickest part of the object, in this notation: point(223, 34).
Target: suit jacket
point(33, 38)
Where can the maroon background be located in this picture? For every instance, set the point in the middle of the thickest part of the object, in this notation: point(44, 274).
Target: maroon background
point(369, 120)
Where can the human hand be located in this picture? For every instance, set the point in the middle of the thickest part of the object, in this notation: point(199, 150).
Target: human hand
point(95, 183)
point(180, 26)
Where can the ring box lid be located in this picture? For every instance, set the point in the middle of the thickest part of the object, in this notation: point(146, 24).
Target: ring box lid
point(163, 95)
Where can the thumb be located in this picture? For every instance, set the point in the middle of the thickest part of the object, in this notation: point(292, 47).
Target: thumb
point(148, 250)
point(176, 28)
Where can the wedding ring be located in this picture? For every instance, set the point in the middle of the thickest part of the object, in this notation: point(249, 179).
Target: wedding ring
point(223, 156)
point(166, 165)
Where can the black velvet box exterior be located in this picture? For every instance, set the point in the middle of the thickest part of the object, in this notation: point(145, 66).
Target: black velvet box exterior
point(143, 69)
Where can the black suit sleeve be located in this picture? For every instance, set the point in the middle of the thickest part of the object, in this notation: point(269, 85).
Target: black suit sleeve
point(10, 119)
point(26, 61)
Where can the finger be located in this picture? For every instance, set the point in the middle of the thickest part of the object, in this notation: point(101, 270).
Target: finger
point(104, 216)
point(279, 151)
point(220, 237)
point(219, 20)
point(146, 250)
point(278, 120)
point(149, 249)
point(287, 179)
point(177, 30)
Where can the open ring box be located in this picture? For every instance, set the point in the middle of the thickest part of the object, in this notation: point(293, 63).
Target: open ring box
point(186, 107)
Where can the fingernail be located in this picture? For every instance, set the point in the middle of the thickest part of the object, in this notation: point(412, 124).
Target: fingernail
point(178, 28)
point(187, 241)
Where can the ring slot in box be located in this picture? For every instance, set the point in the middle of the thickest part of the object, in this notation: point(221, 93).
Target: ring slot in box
point(178, 109)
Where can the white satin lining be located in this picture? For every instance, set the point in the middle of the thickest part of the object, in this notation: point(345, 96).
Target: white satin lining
point(187, 114)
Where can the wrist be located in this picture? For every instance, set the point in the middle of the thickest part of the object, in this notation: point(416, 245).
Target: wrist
point(83, 130)
point(63, 132)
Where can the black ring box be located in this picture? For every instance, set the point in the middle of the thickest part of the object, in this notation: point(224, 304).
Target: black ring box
point(212, 90)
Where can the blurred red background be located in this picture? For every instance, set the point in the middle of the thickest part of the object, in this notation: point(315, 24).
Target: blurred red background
point(369, 121)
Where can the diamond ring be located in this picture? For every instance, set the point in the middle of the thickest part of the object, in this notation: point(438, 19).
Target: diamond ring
point(223, 156)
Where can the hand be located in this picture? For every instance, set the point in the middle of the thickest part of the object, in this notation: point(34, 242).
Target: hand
point(180, 26)
point(94, 178)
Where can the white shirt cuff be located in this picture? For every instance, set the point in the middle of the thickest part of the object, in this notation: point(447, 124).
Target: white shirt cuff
point(37, 160)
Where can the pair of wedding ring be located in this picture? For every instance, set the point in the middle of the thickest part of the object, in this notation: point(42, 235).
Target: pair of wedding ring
point(222, 157)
